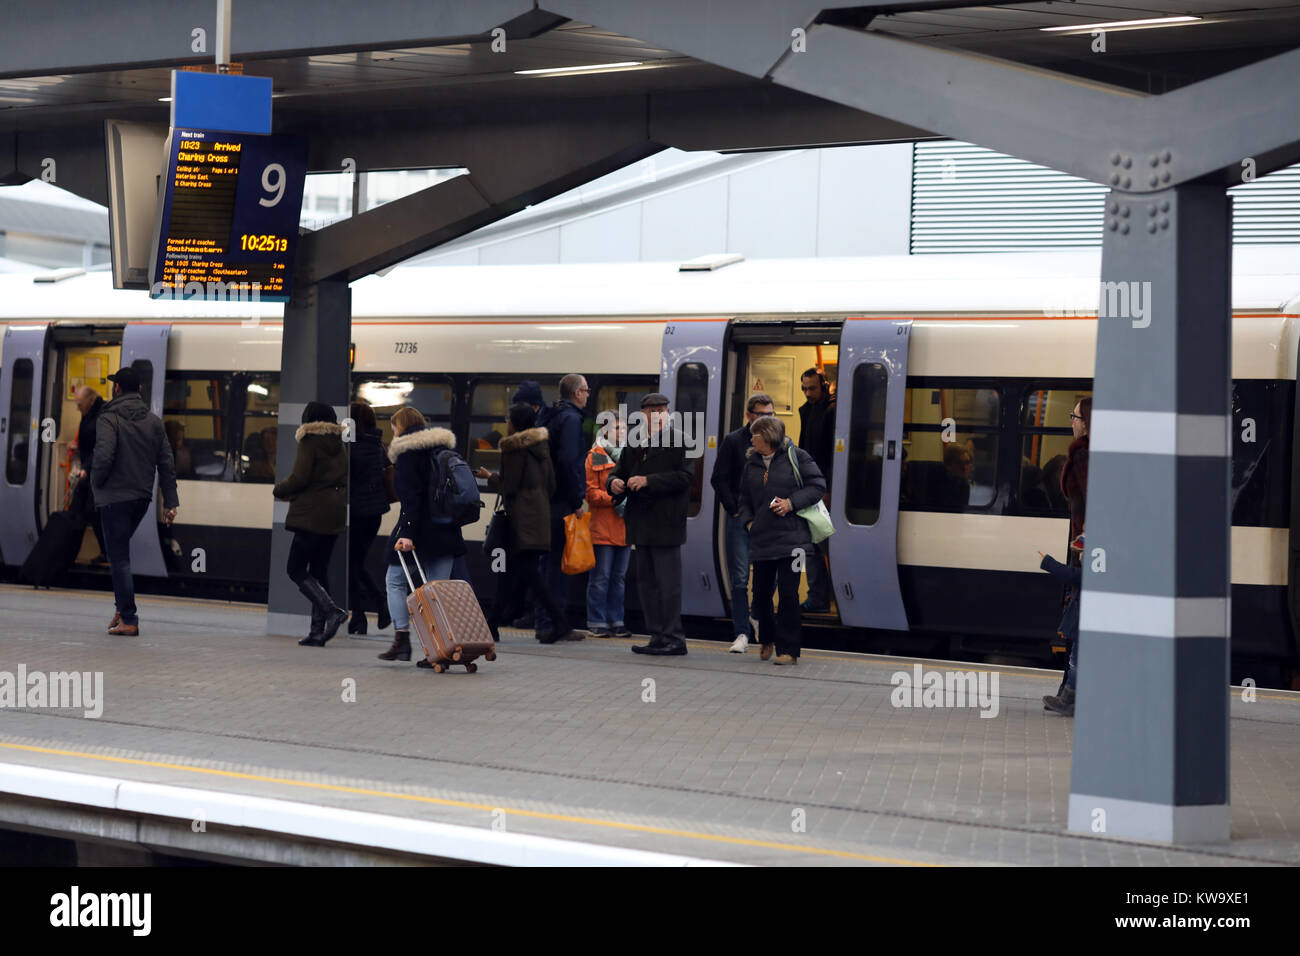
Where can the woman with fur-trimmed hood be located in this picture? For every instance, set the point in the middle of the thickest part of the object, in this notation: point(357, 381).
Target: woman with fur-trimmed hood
point(317, 492)
point(437, 545)
point(526, 482)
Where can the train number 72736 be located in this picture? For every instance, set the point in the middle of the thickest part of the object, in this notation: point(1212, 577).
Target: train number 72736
point(406, 348)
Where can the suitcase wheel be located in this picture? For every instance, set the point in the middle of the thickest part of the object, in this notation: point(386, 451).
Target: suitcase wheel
point(439, 667)
point(490, 656)
point(471, 667)
point(456, 655)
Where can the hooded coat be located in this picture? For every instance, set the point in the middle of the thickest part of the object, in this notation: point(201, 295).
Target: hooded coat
point(607, 527)
point(775, 536)
point(412, 454)
point(130, 442)
point(527, 482)
point(318, 487)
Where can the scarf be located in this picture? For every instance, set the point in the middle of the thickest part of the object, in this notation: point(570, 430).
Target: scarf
point(609, 448)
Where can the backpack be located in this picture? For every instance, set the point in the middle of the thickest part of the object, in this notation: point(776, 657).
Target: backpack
point(453, 492)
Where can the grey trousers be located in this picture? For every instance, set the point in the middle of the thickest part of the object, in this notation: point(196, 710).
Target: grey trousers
point(659, 585)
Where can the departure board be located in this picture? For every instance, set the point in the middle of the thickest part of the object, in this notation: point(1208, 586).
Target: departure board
point(228, 223)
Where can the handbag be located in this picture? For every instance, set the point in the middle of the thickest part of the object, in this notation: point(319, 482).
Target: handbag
point(389, 488)
point(818, 518)
point(498, 531)
point(579, 555)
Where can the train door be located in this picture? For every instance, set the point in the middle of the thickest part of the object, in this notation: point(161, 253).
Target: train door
point(868, 471)
point(21, 380)
point(691, 377)
point(144, 348)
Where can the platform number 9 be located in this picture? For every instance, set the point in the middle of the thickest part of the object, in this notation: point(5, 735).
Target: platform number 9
point(273, 181)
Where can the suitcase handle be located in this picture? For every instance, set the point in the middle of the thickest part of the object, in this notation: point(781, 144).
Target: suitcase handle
point(401, 558)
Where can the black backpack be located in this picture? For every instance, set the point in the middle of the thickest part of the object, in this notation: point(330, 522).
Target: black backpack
point(453, 492)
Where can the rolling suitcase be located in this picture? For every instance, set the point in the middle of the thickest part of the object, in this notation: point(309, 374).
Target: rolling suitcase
point(54, 551)
point(446, 617)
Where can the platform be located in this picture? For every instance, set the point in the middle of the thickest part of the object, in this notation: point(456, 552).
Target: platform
point(557, 753)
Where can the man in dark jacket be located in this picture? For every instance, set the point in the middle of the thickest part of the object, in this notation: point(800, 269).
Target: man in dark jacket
point(726, 485)
point(90, 405)
point(130, 444)
point(655, 478)
point(817, 437)
point(563, 422)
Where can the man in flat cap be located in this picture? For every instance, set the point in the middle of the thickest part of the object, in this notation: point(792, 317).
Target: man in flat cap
point(655, 478)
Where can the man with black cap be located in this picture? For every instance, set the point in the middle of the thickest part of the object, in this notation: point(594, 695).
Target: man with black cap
point(655, 478)
point(130, 443)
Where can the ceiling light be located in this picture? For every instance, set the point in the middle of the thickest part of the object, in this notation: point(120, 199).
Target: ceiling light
point(594, 68)
point(1122, 25)
point(164, 99)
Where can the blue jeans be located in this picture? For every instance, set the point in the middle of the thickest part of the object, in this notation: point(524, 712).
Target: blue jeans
point(553, 577)
point(436, 569)
point(1072, 665)
point(738, 574)
point(605, 586)
point(119, 522)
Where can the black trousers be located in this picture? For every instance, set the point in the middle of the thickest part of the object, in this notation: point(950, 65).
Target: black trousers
point(782, 628)
point(363, 593)
point(309, 556)
point(659, 585)
point(524, 572)
point(83, 507)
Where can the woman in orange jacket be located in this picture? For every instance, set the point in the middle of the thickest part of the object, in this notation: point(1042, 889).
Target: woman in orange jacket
point(605, 582)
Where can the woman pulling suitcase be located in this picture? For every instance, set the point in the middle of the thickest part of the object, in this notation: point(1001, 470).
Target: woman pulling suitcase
point(436, 545)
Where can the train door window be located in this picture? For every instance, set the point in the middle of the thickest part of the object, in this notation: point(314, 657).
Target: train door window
point(950, 448)
point(1262, 416)
point(20, 419)
point(489, 416)
point(261, 427)
point(693, 399)
point(144, 368)
point(1045, 437)
point(194, 417)
point(866, 443)
point(431, 394)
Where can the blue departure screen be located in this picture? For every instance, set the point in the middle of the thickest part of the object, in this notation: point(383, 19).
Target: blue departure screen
point(229, 218)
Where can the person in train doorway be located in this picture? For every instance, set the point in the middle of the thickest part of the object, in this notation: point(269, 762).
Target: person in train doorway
point(526, 483)
point(655, 478)
point(779, 539)
point(436, 544)
point(817, 438)
point(563, 422)
point(530, 393)
point(130, 446)
point(89, 403)
point(317, 492)
point(606, 583)
point(1071, 575)
point(727, 472)
point(1074, 473)
point(367, 504)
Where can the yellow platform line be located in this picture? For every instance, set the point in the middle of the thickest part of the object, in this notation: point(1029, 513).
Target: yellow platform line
point(465, 805)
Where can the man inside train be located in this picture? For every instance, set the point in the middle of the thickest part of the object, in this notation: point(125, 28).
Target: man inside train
point(817, 437)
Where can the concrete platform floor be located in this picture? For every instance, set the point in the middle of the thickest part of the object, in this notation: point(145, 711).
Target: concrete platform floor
point(728, 759)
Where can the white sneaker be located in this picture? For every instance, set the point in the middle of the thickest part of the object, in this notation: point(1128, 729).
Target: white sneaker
point(739, 644)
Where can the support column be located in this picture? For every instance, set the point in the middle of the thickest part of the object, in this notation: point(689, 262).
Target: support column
point(313, 367)
point(1151, 725)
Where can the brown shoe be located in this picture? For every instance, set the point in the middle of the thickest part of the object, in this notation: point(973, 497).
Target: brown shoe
point(786, 659)
point(117, 619)
point(126, 630)
point(401, 649)
point(765, 652)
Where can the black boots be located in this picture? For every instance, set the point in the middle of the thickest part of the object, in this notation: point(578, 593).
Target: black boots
point(358, 623)
point(327, 617)
point(1062, 704)
point(401, 649)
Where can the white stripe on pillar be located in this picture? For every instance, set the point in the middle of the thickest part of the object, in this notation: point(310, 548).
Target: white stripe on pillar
point(1159, 433)
point(1154, 616)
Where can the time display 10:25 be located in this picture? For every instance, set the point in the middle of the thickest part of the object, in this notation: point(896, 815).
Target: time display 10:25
point(263, 243)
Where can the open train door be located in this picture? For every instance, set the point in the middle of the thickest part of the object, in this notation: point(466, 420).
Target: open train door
point(144, 348)
point(21, 387)
point(868, 468)
point(691, 377)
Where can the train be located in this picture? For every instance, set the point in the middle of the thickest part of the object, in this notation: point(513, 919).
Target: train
point(990, 351)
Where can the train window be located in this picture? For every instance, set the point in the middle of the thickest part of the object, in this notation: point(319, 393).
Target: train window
point(20, 419)
point(616, 397)
point(490, 415)
point(194, 417)
point(431, 394)
point(1045, 437)
point(692, 399)
point(950, 448)
point(1262, 422)
point(261, 427)
point(866, 443)
point(144, 368)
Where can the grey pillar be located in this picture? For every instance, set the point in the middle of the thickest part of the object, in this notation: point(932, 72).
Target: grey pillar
point(1151, 731)
point(313, 367)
